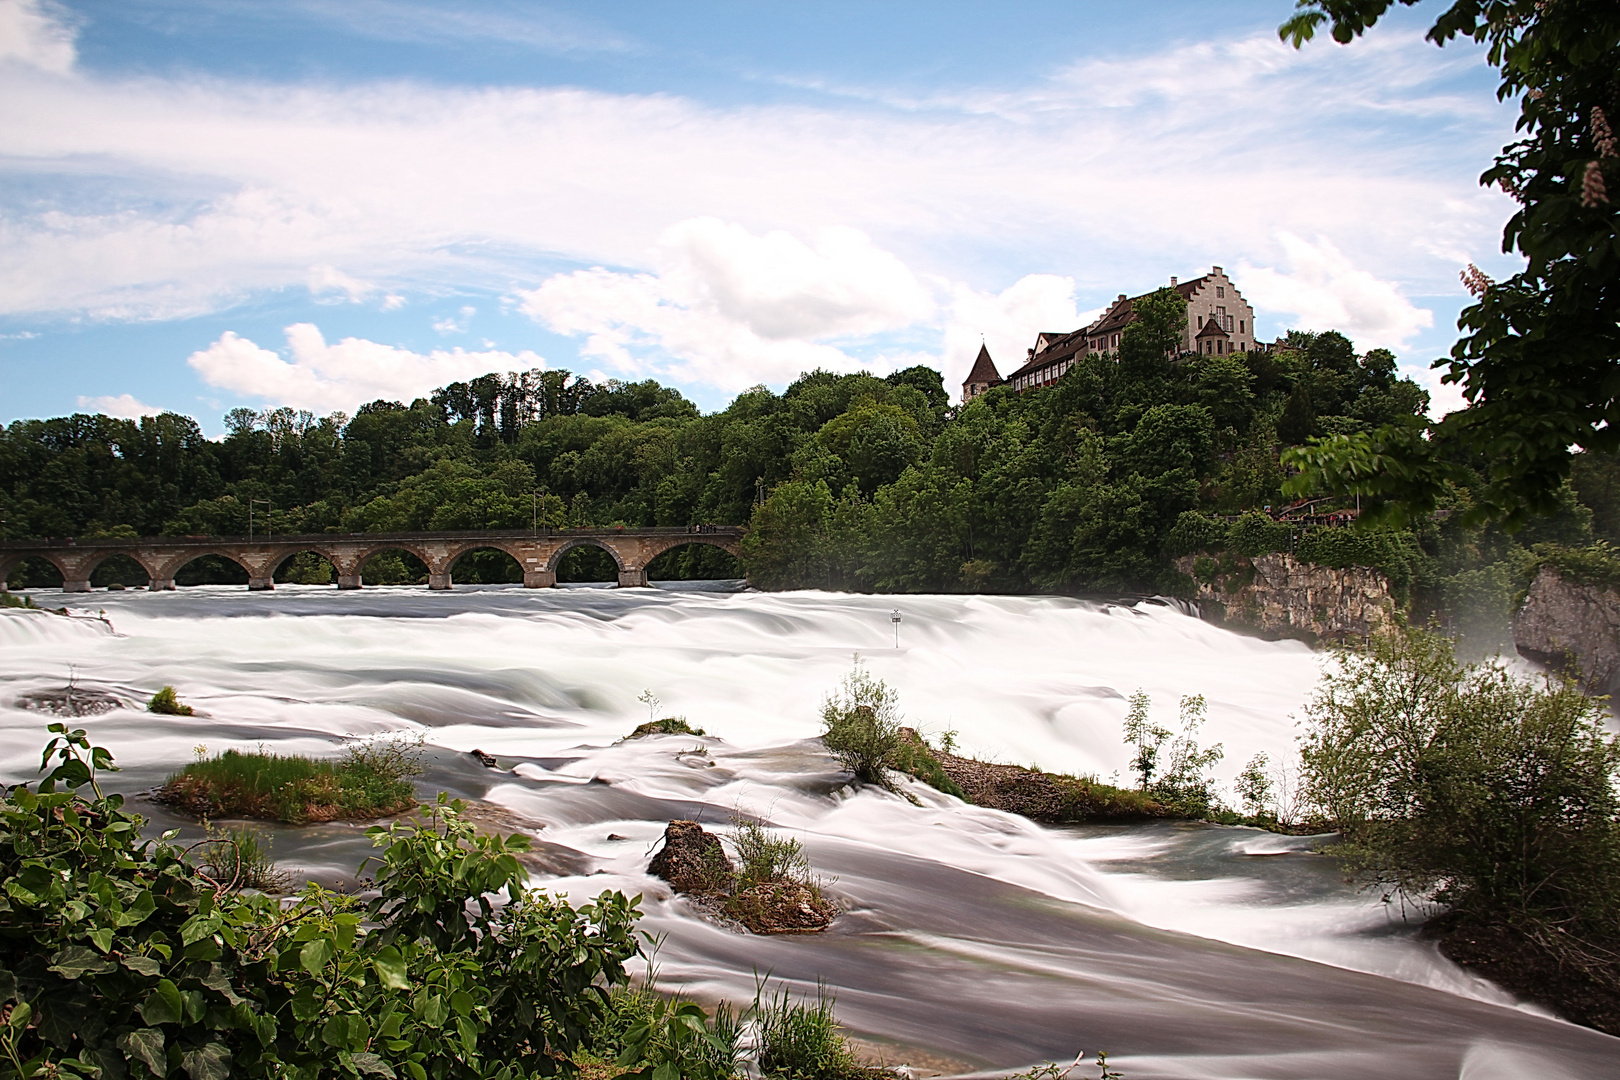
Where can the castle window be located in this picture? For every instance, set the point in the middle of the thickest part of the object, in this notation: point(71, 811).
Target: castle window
point(1240, 326)
point(1220, 292)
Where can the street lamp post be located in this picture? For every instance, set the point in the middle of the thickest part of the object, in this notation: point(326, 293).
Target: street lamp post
point(250, 514)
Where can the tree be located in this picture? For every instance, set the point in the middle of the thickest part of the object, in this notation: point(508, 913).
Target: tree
point(1539, 356)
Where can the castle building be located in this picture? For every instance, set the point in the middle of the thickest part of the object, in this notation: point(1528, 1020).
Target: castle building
point(1219, 321)
point(983, 376)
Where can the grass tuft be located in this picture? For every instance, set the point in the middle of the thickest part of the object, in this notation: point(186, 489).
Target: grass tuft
point(167, 702)
point(372, 780)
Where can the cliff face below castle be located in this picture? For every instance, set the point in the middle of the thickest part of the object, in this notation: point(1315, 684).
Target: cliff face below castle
point(1572, 628)
point(1280, 596)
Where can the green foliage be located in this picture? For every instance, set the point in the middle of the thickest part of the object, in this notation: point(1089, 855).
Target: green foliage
point(239, 858)
point(166, 702)
point(11, 601)
point(862, 725)
point(119, 958)
point(1537, 353)
point(372, 780)
point(800, 1041)
point(1597, 565)
point(1254, 785)
point(1172, 767)
point(1473, 788)
point(915, 758)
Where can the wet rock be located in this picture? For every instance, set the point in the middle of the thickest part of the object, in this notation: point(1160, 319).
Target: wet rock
point(70, 701)
point(1280, 596)
point(1571, 628)
point(616, 836)
point(486, 760)
point(692, 859)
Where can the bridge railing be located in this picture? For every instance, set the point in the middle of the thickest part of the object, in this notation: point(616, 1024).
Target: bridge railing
point(366, 537)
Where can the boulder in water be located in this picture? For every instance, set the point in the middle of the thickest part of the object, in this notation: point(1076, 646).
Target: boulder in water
point(692, 860)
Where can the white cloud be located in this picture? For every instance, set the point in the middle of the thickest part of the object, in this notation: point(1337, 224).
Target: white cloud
point(1324, 290)
point(36, 33)
point(730, 309)
point(325, 280)
point(457, 325)
point(123, 406)
point(1110, 171)
point(323, 377)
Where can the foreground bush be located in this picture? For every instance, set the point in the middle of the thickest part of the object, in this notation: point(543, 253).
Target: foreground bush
point(1472, 788)
point(862, 726)
point(118, 958)
point(370, 781)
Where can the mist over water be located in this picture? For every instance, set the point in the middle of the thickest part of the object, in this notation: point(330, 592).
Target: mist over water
point(972, 939)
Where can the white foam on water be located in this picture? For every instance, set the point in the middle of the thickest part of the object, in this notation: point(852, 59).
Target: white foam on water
point(555, 675)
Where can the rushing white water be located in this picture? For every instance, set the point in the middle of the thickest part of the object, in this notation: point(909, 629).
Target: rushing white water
point(973, 939)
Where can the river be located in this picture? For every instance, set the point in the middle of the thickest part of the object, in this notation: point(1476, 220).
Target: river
point(973, 941)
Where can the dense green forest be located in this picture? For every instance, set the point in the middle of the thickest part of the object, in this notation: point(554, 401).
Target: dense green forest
point(847, 481)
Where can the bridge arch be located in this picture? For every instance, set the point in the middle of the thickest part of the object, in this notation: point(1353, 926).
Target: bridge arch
point(30, 569)
point(292, 568)
point(485, 563)
point(167, 574)
point(621, 568)
point(429, 565)
point(122, 568)
point(693, 559)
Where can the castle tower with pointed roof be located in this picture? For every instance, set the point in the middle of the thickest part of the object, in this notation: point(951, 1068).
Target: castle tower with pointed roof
point(983, 376)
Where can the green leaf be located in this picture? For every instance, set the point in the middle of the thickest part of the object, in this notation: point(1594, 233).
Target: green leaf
point(666, 1071)
point(434, 1011)
point(164, 1006)
point(391, 970)
point(316, 955)
point(461, 1003)
point(101, 938)
point(211, 1062)
point(146, 1046)
point(76, 961)
point(139, 911)
point(345, 1032)
point(469, 1035)
point(372, 1065)
point(142, 965)
point(20, 1015)
point(416, 1071)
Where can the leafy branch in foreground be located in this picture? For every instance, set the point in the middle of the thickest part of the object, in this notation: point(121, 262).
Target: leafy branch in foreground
point(1539, 356)
point(119, 958)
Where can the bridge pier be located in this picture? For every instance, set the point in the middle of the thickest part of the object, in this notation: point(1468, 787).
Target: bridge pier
point(160, 585)
point(439, 582)
point(539, 579)
point(76, 585)
point(633, 579)
point(260, 584)
point(349, 581)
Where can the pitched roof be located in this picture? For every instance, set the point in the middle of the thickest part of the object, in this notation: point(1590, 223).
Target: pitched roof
point(984, 369)
point(1212, 328)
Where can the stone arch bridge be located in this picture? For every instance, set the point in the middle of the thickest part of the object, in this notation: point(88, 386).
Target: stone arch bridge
point(538, 553)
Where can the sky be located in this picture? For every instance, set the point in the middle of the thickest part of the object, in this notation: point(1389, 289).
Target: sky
point(207, 204)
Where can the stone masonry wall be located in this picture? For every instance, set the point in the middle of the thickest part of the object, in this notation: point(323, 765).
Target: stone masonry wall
point(1280, 596)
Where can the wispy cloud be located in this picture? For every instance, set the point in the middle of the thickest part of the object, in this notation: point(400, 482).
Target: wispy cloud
point(38, 34)
point(1112, 174)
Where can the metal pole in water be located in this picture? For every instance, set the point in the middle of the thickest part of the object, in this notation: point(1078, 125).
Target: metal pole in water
point(894, 617)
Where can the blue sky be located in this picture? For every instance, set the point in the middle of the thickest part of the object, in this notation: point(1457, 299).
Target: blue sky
point(315, 204)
